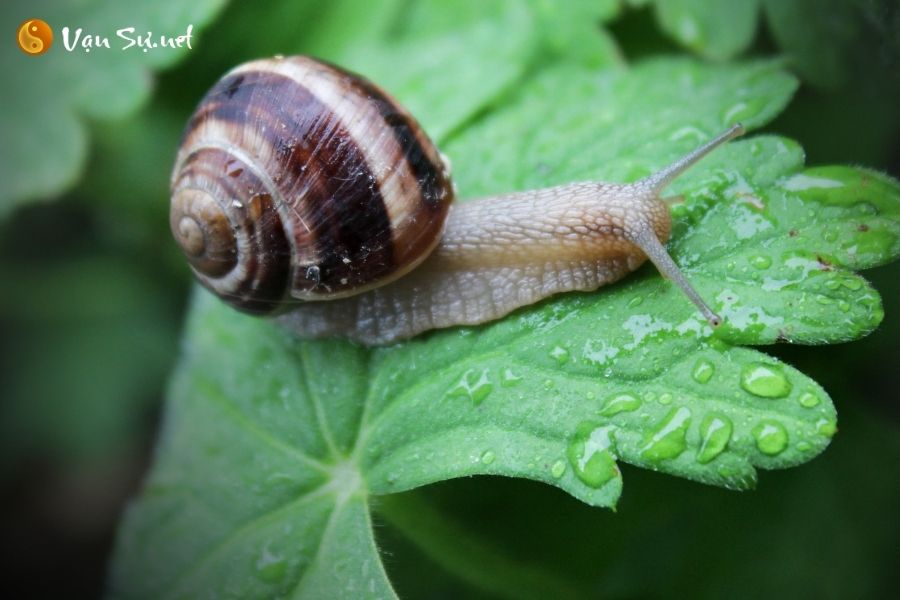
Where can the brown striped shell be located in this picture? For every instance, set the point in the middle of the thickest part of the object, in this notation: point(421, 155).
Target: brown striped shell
point(297, 180)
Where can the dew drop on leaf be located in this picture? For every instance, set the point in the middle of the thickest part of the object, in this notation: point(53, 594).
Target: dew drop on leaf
point(558, 469)
point(625, 402)
point(736, 113)
point(851, 283)
point(761, 261)
point(591, 453)
point(665, 398)
point(488, 457)
point(809, 400)
point(703, 371)
point(765, 380)
point(668, 440)
point(474, 384)
point(771, 437)
point(599, 352)
point(715, 432)
point(270, 567)
point(509, 379)
point(560, 354)
point(827, 427)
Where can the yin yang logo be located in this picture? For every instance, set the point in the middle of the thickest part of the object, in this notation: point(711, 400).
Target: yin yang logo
point(35, 37)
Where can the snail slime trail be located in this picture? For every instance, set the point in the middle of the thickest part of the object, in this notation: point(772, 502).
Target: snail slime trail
point(307, 193)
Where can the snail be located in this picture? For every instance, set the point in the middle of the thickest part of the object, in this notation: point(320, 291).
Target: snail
point(303, 191)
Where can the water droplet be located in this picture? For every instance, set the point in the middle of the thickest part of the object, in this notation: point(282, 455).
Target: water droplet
point(591, 453)
point(760, 261)
point(852, 283)
point(804, 446)
point(665, 398)
point(809, 400)
point(830, 235)
point(765, 380)
point(833, 284)
point(313, 274)
point(548, 384)
point(636, 301)
point(771, 437)
point(668, 441)
point(715, 431)
point(703, 371)
point(598, 353)
point(827, 427)
point(488, 457)
point(802, 182)
point(625, 402)
point(731, 265)
point(509, 378)
point(560, 354)
point(270, 567)
point(824, 300)
point(590, 395)
point(740, 111)
point(472, 386)
point(558, 469)
point(726, 472)
point(843, 306)
point(865, 208)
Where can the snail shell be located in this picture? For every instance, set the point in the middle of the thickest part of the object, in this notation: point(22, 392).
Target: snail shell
point(298, 181)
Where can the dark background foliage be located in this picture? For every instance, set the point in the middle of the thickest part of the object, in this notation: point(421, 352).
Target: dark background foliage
point(93, 304)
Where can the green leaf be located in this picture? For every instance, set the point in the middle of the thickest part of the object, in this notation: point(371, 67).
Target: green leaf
point(51, 95)
point(273, 446)
point(717, 29)
point(670, 539)
point(830, 43)
point(618, 124)
point(820, 37)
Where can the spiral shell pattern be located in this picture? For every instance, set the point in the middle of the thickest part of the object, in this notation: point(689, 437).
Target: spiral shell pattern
point(297, 181)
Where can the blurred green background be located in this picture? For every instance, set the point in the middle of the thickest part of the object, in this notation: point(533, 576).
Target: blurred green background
point(94, 293)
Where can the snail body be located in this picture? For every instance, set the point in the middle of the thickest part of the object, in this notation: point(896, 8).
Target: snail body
point(305, 192)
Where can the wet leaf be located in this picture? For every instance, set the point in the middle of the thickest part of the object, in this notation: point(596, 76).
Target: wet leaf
point(274, 447)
